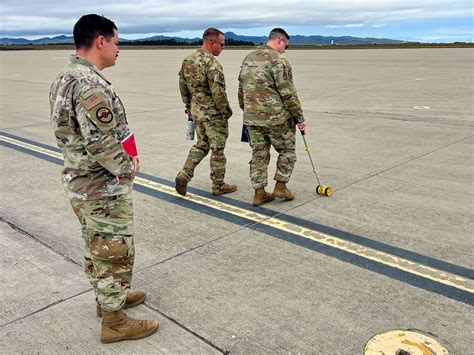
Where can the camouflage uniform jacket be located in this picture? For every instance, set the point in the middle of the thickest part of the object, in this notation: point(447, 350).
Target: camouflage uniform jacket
point(89, 123)
point(266, 90)
point(202, 86)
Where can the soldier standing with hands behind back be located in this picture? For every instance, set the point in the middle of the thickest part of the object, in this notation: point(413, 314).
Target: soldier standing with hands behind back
point(202, 86)
point(271, 108)
point(89, 123)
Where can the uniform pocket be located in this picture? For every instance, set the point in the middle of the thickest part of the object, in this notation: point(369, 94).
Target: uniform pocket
point(110, 248)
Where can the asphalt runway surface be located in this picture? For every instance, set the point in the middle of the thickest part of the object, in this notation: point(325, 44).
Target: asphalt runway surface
point(391, 130)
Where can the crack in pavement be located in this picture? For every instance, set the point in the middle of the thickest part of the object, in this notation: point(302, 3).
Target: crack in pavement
point(45, 307)
point(377, 173)
point(171, 319)
point(31, 236)
point(36, 239)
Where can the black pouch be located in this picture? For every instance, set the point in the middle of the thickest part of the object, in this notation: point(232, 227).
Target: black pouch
point(245, 133)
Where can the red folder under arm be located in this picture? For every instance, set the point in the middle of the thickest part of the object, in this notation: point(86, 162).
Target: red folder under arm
point(129, 146)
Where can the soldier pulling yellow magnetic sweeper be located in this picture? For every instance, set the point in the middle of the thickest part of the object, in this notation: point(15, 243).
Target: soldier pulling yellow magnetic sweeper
point(320, 189)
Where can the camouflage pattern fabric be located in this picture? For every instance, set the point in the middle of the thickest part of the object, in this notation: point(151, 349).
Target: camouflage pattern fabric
point(266, 90)
point(89, 122)
point(202, 87)
point(211, 135)
point(109, 252)
point(282, 138)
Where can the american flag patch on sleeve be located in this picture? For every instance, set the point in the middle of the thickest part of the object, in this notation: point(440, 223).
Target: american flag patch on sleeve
point(92, 101)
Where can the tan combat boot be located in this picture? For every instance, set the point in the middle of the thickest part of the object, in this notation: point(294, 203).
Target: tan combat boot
point(117, 326)
point(181, 181)
point(282, 191)
point(134, 298)
point(261, 197)
point(184, 177)
point(224, 189)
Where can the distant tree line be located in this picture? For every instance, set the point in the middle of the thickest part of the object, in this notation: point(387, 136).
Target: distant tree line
point(238, 42)
point(173, 42)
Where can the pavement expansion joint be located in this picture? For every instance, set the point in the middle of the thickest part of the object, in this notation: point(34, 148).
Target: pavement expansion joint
point(182, 326)
point(193, 248)
point(380, 172)
point(402, 117)
point(444, 278)
point(46, 307)
point(37, 239)
point(25, 126)
point(154, 94)
point(148, 111)
point(27, 81)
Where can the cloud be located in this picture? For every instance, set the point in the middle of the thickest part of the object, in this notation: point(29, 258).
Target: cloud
point(32, 17)
point(351, 25)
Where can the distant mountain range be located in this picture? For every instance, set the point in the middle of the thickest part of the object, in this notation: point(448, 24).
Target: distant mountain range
point(45, 40)
point(295, 40)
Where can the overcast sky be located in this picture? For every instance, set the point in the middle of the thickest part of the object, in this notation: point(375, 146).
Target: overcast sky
point(426, 21)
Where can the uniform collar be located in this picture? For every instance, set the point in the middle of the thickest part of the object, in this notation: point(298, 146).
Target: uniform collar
point(200, 50)
point(264, 46)
point(75, 59)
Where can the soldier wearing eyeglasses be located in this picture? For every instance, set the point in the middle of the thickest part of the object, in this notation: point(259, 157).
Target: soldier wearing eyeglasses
point(203, 91)
point(272, 109)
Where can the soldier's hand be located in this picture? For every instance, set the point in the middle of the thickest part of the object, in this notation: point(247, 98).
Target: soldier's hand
point(302, 125)
point(136, 162)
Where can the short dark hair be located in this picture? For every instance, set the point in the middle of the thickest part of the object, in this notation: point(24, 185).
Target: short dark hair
point(89, 27)
point(278, 33)
point(212, 32)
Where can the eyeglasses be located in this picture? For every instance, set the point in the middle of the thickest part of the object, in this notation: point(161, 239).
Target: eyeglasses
point(286, 43)
point(219, 43)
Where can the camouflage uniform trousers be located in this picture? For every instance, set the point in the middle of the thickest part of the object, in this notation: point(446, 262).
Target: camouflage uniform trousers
point(109, 251)
point(211, 135)
point(282, 138)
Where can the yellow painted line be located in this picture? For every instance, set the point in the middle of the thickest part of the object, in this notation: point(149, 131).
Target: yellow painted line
point(381, 257)
point(323, 238)
point(32, 147)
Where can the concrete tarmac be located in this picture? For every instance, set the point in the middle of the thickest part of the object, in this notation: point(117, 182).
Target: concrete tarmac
point(391, 130)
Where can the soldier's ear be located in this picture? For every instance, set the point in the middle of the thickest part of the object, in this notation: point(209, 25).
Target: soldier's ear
point(99, 41)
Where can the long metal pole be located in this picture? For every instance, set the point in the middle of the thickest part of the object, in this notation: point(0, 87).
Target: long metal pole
point(309, 155)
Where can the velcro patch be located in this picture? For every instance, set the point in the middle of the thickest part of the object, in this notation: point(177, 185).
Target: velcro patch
point(104, 115)
point(288, 73)
point(92, 101)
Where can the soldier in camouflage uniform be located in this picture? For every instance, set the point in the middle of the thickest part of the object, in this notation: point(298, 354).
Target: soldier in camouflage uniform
point(89, 123)
point(202, 87)
point(271, 108)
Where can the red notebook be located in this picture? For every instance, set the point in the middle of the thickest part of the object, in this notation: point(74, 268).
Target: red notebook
point(129, 146)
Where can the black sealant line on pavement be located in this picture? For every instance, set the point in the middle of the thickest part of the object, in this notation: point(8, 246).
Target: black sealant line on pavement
point(397, 274)
point(46, 307)
point(403, 253)
point(36, 239)
point(171, 319)
point(20, 230)
point(418, 281)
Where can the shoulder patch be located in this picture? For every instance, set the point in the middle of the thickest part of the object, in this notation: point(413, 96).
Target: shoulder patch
point(288, 73)
point(104, 115)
